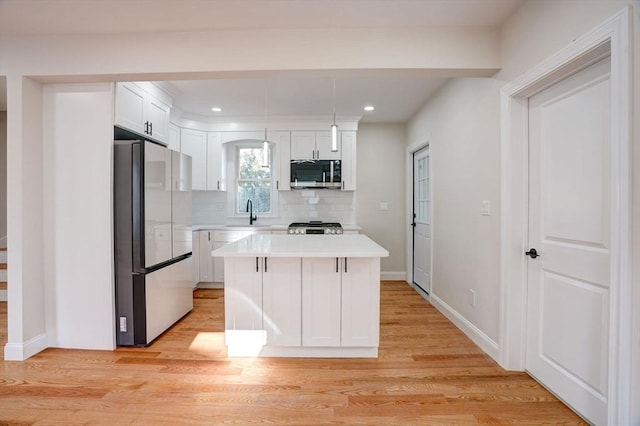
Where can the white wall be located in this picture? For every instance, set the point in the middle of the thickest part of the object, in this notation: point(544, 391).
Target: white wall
point(210, 208)
point(380, 177)
point(78, 232)
point(26, 317)
point(524, 46)
point(3, 177)
point(463, 122)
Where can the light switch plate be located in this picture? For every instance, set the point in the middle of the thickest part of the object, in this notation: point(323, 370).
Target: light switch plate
point(485, 208)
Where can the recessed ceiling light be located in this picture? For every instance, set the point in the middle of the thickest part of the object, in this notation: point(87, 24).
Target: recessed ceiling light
point(216, 109)
point(369, 108)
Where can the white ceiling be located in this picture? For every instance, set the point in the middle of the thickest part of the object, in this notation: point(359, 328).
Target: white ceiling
point(118, 16)
point(396, 95)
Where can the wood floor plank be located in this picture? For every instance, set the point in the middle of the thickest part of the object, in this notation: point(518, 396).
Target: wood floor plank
point(427, 373)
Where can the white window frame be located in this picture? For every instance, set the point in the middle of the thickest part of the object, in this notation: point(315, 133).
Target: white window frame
point(232, 178)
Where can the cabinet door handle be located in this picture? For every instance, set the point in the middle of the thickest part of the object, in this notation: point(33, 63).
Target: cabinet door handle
point(257, 265)
point(146, 127)
point(209, 235)
point(277, 184)
point(337, 267)
point(345, 265)
point(265, 264)
point(218, 185)
point(151, 128)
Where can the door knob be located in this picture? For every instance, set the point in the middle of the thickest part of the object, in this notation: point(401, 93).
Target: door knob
point(533, 253)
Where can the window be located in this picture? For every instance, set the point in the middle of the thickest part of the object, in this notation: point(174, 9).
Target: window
point(253, 181)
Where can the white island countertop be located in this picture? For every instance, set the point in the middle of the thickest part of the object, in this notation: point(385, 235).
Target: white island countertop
point(354, 245)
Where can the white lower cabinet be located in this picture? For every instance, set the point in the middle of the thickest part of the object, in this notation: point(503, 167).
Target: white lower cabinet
point(211, 269)
point(206, 262)
point(321, 281)
point(195, 255)
point(360, 302)
point(340, 302)
point(281, 298)
point(304, 302)
point(243, 293)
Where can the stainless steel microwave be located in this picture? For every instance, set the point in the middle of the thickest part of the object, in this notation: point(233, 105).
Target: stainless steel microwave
point(316, 174)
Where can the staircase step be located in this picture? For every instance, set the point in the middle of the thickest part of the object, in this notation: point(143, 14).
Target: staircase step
point(3, 266)
point(3, 285)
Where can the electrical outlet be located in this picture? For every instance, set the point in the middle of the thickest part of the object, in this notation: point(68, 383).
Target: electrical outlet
point(123, 324)
point(472, 298)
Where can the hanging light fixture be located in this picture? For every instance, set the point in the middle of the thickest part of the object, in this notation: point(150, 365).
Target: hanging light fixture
point(265, 144)
point(334, 126)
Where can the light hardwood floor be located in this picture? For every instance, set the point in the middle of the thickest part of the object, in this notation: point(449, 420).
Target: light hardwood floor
point(427, 373)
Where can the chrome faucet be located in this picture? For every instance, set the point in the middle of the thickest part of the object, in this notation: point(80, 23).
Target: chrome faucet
point(252, 217)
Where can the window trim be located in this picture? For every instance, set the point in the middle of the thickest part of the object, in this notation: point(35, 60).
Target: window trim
point(232, 177)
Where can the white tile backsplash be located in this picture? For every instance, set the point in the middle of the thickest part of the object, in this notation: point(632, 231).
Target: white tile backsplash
point(210, 207)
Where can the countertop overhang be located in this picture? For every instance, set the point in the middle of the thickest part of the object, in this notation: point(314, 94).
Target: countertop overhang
point(356, 245)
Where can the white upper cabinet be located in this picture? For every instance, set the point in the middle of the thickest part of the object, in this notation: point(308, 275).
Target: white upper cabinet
point(216, 163)
point(142, 113)
point(281, 159)
point(313, 146)
point(157, 114)
point(174, 137)
point(194, 144)
point(348, 160)
point(323, 146)
point(303, 145)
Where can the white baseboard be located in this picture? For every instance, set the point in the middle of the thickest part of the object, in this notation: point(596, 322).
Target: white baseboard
point(22, 351)
point(474, 333)
point(393, 276)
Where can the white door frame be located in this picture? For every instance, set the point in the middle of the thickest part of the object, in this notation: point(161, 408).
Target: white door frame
point(612, 37)
point(411, 150)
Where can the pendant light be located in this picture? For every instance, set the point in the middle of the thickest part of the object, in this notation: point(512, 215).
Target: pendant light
point(334, 126)
point(265, 144)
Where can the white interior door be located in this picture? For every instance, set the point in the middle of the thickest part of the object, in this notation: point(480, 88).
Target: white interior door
point(422, 220)
point(569, 211)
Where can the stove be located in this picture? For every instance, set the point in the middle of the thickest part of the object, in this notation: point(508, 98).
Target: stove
point(315, 227)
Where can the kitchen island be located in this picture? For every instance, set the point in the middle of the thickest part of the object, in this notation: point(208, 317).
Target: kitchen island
point(302, 295)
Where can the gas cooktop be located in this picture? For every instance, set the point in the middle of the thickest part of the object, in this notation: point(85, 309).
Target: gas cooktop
point(315, 227)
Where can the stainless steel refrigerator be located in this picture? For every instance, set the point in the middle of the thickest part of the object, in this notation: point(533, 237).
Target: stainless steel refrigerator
point(153, 243)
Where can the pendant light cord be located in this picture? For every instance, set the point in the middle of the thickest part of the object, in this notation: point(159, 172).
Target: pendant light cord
point(334, 101)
